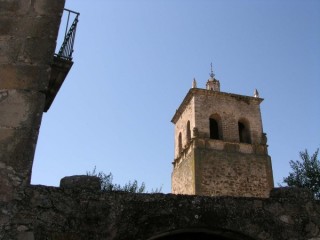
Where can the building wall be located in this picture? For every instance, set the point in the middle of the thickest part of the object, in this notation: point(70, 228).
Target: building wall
point(181, 126)
point(225, 166)
point(28, 33)
point(183, 176)
point(231, 108)
point(217, 168)
point(229, 172)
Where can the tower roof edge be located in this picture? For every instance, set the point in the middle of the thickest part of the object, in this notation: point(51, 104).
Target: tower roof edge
point(200, 91)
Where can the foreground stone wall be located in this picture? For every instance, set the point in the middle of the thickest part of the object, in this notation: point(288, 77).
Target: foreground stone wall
point(28, 33)
point(72, 214)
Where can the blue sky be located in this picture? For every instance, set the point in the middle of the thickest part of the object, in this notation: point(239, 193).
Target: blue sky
point(134, 62)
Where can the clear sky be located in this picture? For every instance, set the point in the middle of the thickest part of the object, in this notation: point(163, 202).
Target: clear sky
point(134, 62)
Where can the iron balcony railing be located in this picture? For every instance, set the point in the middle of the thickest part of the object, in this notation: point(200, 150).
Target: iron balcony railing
point(66, 48)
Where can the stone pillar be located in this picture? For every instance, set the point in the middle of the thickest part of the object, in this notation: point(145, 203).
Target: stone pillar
point(28, 33)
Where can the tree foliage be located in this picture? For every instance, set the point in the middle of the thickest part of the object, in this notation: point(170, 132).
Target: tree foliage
point(107, 185)
point(305, 173)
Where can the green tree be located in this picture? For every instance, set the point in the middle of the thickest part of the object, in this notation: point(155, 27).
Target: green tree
point(107, 185)
point(305, 173)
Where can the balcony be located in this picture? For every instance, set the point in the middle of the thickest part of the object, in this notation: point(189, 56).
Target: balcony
point(62, 61)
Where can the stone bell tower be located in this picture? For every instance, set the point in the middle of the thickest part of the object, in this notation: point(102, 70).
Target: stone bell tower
point(220, 146)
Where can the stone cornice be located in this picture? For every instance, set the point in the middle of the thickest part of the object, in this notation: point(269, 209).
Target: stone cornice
point(200, 91)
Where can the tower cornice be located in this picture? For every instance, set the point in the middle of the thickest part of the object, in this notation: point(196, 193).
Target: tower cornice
point(199, 91)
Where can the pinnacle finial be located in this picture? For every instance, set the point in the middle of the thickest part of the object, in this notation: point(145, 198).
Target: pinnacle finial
point(256, 93)
point(211, 73)
point(194, 83)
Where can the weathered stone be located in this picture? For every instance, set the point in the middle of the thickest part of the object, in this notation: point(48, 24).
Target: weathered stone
point(20, 109)
point(60, 213)
point(28, 33)
point(78, 210)
point(290, 193)
point(34, 7)
point(26, 236)
point(48, 8)
point(24, 77)
point(225, 165)
point(81, 182)
point(5, 25)
point(8, 6)
point(22, 228)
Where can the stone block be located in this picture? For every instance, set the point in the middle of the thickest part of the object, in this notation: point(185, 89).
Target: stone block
point(9, 48)
point(81, 182)
point(35, 50)
point(8, 6)
point(21, 76)
point(43, 27)
point(21, 113)
point(26, 50)
point(21, 109)
point(5, 24)
point(26, 236)
point(32, 26)
point(47, 7)
point(17, 151)
point(36, 7)
point(291, 193)
point(30, 37)
point(6, 188)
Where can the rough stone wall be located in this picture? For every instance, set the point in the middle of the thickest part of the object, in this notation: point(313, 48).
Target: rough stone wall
point(223, 167)
point(28, 33)
point(67, 214)
point(230, 173)
point(183, 176)
point(28, 30)
point(216, 168)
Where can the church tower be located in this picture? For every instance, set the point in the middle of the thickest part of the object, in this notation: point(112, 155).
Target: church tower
point(220, 146)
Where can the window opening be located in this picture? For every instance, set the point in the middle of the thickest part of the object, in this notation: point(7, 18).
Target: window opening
point(180, 143)
point(244, 134)
point(214, 129)
point(188, 131)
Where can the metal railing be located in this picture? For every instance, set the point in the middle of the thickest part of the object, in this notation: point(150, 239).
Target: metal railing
point(66, 48)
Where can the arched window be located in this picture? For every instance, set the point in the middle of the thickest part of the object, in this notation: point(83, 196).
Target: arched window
point(188, 131)
point(215, 127)
point(244, 132)
point(180, 143)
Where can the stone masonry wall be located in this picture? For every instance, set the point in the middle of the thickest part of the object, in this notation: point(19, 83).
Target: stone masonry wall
point(181, 126)
point(74, 214)
point(183, 176)
point(223, 167)
point(28, 33)
point(78, 210)
point(230, 173)
point(231, 108)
